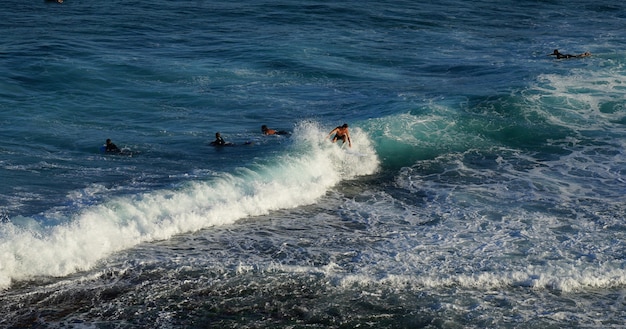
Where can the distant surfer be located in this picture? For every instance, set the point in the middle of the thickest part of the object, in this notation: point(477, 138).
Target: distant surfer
point(341, 133)
point(561, 56)
point(109, 147)
point(268, 131)
point(219, 141)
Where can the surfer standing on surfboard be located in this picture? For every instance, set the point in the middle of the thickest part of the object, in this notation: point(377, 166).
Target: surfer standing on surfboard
point(342, 133)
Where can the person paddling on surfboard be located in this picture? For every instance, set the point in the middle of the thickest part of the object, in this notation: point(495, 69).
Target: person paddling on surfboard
point(561, 56)
point(109, 147)
point(219, 141)
point(268, 131)
point(342, 133)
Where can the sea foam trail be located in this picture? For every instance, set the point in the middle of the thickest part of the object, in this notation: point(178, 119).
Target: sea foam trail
point(301, 176)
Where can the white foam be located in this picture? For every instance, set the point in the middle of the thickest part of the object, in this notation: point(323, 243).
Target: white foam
point(299, 177)
point(582, 99)
point(569, 282)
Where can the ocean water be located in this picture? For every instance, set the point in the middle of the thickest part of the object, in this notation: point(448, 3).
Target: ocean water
point(485, 187)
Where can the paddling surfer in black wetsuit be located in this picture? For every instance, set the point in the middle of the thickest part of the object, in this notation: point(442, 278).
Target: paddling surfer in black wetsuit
point(342, 133)
point(561, 56)
point(111, 148)
point(219, 141)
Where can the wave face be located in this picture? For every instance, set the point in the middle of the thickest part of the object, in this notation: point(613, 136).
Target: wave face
point(299, 177)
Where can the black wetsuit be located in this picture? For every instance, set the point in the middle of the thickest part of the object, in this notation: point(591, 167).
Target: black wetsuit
point(112, 148)
point(560, 56)
point(218, 141)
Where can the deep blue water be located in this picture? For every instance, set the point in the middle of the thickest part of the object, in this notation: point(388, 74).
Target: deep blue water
point(484, 188)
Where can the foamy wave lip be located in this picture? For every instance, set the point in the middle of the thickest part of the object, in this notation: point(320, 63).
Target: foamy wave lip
point(299, 177)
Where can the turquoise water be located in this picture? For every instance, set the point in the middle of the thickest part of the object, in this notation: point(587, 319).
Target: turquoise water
point(484, 188)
